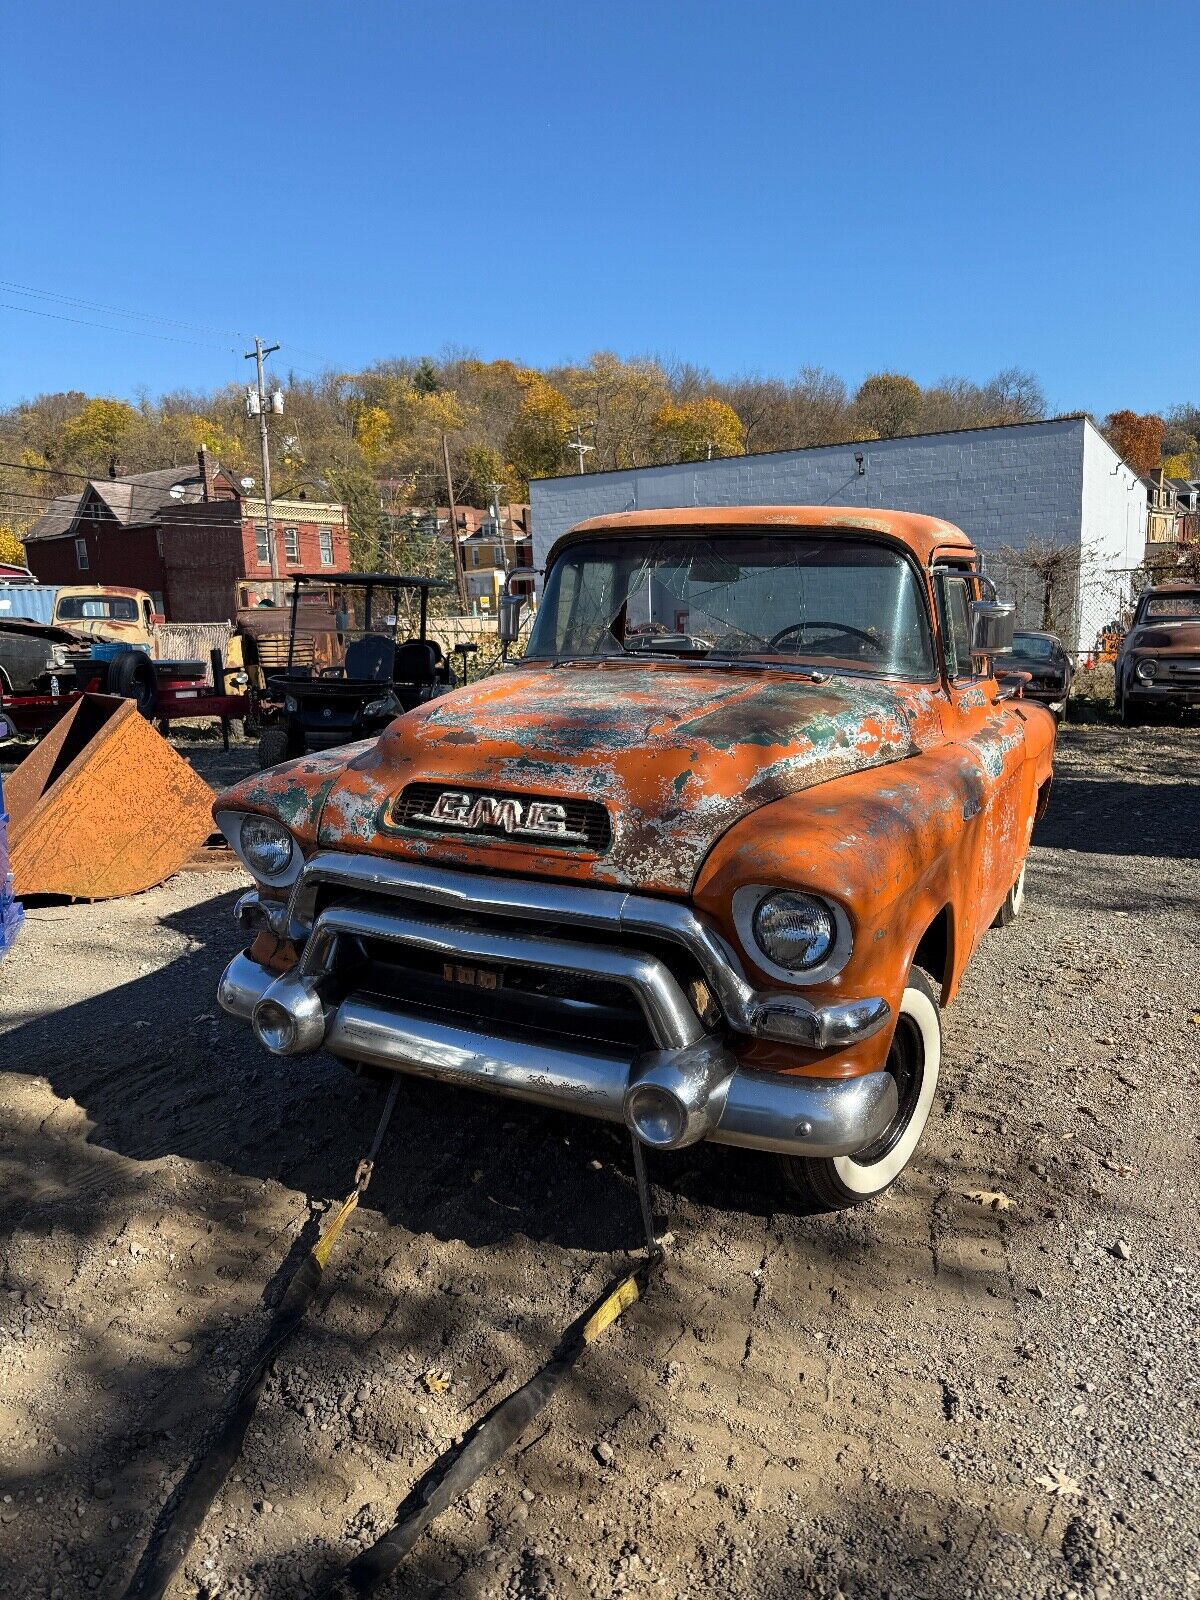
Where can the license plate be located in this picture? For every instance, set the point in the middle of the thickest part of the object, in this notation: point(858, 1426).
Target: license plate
point(472, 977)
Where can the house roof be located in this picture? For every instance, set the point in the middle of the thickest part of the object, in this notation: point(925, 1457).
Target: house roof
point(134, 498)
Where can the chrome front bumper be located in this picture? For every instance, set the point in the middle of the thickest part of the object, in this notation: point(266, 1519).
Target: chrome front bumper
point(687, 1087)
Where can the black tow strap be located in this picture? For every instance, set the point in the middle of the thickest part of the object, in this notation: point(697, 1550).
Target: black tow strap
point(491, 1438)
point(201, 1485)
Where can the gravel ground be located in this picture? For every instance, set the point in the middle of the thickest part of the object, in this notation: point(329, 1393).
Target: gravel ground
point(926, 1397)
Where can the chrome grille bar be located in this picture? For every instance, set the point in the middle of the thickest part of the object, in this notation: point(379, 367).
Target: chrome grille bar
point(673, 1023)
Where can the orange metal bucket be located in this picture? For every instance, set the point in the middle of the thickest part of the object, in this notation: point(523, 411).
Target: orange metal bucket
point(103, 806)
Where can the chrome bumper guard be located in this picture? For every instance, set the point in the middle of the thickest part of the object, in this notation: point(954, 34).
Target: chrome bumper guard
point(688, 1087)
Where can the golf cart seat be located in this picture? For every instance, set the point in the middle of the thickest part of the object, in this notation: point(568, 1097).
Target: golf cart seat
point(372, 659)
point(416, 663)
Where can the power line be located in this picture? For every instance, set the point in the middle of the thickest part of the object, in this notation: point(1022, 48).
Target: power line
point(145, 316)
point(82, 322)
point(120, 311)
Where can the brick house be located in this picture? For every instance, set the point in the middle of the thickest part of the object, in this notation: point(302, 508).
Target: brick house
point(190, 537)
point(491, 549)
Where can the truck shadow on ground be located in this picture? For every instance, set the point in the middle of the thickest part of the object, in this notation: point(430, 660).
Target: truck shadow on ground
point(158, 1072)
point(1127, 792)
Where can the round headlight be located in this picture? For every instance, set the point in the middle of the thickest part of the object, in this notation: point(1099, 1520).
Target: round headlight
point(1148, 669)
point(267, 846)
point(795, 930)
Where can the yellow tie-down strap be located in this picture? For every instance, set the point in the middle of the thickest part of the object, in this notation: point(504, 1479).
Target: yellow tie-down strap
point(609, 1309)
point(323, 1248)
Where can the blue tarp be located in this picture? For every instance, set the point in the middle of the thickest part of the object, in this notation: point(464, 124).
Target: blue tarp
point(10, 909)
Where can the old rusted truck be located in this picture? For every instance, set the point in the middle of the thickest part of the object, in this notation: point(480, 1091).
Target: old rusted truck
point(707, 861)
point(1158, 663)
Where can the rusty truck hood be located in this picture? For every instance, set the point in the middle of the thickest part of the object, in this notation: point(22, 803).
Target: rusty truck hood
point(675, 754)
point(1165, 637)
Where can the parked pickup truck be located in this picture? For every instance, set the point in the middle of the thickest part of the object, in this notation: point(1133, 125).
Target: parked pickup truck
point(708, 860)
point(1158, 664)
point(99, 611)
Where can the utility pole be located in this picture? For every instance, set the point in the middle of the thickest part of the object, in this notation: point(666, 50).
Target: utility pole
point(256, 355)
point(497, 490)
point(459, 579)
point(577, 447)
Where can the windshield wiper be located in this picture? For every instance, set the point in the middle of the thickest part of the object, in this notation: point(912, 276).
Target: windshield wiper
point(734, 658)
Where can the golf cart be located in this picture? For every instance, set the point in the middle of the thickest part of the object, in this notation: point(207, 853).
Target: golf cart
point(312, 707)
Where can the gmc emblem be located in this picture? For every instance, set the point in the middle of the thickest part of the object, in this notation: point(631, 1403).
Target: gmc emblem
point(536, 819)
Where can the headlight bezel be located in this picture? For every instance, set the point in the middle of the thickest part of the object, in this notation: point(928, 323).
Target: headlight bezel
point(1147, 669)
point(746, 903)
point(231, 824)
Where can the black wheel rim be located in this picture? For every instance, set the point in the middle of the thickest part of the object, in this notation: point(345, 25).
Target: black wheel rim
point(906, 1064)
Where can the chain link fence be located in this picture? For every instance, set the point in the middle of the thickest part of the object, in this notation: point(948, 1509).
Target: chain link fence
point(1086, 605)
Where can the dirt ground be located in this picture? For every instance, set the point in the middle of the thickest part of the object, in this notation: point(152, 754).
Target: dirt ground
point(925, 1397)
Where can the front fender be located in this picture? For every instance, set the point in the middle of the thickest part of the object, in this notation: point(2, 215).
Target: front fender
point(894, 848)
point(294, 792)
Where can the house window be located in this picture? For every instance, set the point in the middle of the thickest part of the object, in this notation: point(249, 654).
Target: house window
point(475, 555)
point(262, 549)
point(291, 546)
point(81, 554)
point(326, 547)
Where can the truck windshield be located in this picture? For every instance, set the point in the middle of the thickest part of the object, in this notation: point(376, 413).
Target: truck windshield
point(1172, 608)
point(80, 607)
point(829, 601)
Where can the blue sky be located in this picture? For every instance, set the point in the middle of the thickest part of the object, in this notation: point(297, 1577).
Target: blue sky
point(750, 186)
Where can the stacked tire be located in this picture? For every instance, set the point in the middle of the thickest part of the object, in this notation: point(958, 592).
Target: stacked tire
point(131, 675)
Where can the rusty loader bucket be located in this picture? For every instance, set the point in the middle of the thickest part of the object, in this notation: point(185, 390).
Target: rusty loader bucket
point(103, 806)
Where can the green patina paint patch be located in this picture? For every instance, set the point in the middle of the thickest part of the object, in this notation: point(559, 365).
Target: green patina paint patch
point(297, 805)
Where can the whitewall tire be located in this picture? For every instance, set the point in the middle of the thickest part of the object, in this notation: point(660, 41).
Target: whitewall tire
point(1013, 901)
point(830, 1183)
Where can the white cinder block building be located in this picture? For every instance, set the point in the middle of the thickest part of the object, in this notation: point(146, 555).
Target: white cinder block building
point(1059, 482)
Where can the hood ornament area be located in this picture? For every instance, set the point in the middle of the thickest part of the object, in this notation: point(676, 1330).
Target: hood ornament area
point(474, 812)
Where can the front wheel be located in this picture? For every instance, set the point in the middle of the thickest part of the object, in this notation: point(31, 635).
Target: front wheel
point(1130, 715)
point(276, 745)
point(1013, 901)
point(831, 1183)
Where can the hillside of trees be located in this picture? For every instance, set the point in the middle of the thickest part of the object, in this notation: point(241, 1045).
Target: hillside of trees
point(375, 438)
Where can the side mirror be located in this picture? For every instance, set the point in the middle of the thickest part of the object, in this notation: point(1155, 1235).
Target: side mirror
point(992, 626)
point(511, 606)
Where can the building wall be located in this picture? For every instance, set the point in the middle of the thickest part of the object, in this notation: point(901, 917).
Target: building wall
point(308, 545)
point(1113, 536)
point(1002, 486)
point(125, 557)
point(999, 485)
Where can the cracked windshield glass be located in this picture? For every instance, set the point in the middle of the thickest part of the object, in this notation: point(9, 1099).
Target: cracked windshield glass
point(829, 603)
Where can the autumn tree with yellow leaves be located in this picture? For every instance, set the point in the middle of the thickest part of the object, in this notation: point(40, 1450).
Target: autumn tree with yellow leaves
point(377, 438)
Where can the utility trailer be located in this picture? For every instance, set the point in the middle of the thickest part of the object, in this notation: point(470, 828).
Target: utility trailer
point(165, 691)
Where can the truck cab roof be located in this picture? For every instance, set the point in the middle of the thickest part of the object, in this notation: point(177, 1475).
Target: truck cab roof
point(926, 537)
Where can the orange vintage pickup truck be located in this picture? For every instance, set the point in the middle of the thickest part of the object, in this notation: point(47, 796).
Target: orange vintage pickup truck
point(707, 861)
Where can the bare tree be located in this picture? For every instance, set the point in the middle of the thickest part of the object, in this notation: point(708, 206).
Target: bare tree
point(1043, 573)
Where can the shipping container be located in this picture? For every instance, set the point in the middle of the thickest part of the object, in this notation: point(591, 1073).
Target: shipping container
point(32, 600)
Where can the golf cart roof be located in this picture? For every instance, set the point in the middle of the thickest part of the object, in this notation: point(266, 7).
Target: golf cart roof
point(370, 580)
